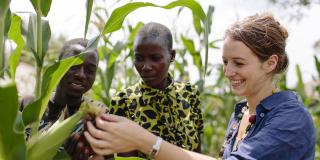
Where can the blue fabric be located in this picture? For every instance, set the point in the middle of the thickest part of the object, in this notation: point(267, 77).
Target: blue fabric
point(283, 130)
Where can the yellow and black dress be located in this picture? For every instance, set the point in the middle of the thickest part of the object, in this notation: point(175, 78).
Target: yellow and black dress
point(173, 114)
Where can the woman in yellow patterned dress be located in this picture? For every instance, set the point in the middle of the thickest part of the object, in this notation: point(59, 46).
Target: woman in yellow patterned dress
point(157, 102)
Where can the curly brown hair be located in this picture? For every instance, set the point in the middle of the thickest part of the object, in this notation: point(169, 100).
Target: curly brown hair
point(264, 35)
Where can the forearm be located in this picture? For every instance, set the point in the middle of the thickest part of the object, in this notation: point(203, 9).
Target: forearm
point(167, 150)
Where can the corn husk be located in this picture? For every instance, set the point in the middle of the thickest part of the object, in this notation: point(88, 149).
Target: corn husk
point(45, 145)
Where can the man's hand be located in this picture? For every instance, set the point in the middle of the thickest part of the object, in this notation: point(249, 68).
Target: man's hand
point(77, 147)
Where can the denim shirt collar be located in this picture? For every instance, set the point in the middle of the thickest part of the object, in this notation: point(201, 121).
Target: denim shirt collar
point(268, 103)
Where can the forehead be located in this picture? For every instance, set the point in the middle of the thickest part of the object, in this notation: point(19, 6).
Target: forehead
point(73, 50)
point(236, 49)
point(90, 56)
point(159, 41)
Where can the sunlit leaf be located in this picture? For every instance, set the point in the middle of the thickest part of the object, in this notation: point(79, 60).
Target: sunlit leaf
point(118, 15)
point(15, 35)
point(89, 9)
point(12, 143)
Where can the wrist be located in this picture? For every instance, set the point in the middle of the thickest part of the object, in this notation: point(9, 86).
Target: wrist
point(155, 148)
point(145, 143)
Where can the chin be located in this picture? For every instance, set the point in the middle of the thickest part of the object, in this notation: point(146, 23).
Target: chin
point(237, 92)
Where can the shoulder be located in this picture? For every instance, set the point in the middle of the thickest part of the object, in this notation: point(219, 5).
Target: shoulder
point(129, 92)
point(125, 95)
point(289, 113)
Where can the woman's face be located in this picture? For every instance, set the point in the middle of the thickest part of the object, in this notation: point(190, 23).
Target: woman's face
point(152, 61)
point(246, 73)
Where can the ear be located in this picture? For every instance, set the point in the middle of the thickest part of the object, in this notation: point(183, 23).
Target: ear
point(271, 63)
point(172, 55)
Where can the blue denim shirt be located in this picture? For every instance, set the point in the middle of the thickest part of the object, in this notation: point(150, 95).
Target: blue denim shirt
point(283, 130)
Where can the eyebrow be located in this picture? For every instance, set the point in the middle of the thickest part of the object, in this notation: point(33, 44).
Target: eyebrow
point(238, 58)
point(235, 58)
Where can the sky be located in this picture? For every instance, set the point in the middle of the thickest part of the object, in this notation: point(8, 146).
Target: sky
point(67, 17)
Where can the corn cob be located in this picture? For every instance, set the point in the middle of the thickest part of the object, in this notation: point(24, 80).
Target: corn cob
point(46, 144)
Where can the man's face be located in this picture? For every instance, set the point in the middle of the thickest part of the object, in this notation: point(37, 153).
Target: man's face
point(80, 78)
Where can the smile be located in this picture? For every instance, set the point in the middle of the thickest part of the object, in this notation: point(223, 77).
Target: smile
point(77, 85)
point(236, 83)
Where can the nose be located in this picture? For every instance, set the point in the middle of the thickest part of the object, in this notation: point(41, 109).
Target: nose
point(146, 67)
point(80, 73)
point(229, 71)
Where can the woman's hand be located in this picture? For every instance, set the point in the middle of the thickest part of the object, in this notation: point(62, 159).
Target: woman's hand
point(115, 134)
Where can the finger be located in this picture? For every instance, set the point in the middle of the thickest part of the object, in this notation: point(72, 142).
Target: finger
point(95, 132)
point(101, 124)
point(111, 117)
point(95, 143)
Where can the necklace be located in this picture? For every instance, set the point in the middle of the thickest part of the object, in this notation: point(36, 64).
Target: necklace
point(235, 126)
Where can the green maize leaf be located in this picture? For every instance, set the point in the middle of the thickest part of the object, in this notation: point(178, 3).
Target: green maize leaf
point(93, 43)
point(46, 145)
point(4, 6)
point(52, 76)
point(118, 15)
point(207, 32)
point(46, 35)
point(189, 44)
point(134, 32)
point(32, 37)
point(197, 24)
point(317, 62)
point(115, 53)
point(209, 17)
point(12, 142)
point(300, 84)
point(42, 5)
point(7, 22)
point(89, 9)
point(15, 35)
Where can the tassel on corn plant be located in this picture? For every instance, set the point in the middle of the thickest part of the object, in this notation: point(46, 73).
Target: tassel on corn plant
point(47, 143)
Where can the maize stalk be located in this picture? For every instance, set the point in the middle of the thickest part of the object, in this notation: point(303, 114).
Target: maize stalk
point(47, 143)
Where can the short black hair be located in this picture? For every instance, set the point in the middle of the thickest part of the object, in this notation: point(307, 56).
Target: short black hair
point(155, 31)
point(71, 46)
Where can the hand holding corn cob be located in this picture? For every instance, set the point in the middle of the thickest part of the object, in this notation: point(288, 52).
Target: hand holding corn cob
point(47, 143)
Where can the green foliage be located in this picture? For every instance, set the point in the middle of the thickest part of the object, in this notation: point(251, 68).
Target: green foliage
point(12, 144)
point(41, 6)
point(33, 39)
point(89, 9)
point(119, 14)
